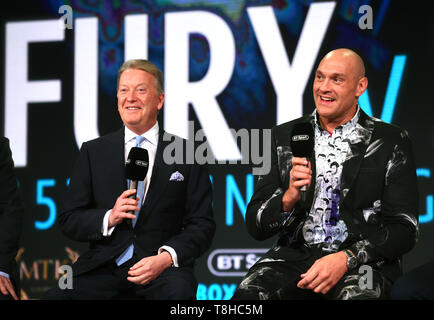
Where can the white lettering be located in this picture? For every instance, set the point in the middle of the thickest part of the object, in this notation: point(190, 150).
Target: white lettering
point(136, 37)
point(86, 80)
point(289, 80)
point(18, 90)
point(180, 92)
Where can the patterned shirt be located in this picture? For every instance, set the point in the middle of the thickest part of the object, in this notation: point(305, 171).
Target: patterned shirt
point(324, 226)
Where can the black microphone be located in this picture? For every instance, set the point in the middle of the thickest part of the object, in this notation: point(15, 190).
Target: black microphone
point(302, 144)
point(136, 168)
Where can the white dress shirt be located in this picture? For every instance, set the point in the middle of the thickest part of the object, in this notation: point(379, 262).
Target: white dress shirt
point(150, 143)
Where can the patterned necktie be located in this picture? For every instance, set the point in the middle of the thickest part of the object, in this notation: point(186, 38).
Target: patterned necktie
point(128, 253)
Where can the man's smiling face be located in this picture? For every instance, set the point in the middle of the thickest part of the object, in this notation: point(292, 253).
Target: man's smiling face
point(138, 100)
point(338, 84)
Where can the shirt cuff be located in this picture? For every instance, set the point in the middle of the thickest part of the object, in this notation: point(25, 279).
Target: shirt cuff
point(4, 274)
point(172, 254)
point(104, 230)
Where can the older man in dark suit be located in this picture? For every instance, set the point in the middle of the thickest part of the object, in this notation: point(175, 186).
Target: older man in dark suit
point(11, 220)
point(350, 246)
point(153, 257)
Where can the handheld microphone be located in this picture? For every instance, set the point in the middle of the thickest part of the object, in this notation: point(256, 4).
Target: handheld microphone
point(302, 144)
point(136, 168)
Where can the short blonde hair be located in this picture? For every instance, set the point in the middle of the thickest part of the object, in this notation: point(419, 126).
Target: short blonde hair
point(144, 65)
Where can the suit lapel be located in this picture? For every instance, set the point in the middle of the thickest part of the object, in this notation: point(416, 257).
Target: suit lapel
point(159, 178)
point(311, 190)
point(359, 141)
point(116, 154)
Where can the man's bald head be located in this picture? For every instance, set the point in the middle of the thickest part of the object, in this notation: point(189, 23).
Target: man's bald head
point(349, 57)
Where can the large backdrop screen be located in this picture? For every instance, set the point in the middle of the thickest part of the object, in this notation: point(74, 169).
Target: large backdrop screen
point(233, 69)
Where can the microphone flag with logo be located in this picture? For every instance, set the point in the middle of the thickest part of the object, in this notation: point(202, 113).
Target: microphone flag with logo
point(136, 167)
point(302, 144)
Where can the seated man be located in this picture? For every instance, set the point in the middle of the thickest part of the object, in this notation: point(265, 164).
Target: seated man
point(350, 246)
point(141, 248)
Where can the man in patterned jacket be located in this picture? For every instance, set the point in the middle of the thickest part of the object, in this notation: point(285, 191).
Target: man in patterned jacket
point(360, 215)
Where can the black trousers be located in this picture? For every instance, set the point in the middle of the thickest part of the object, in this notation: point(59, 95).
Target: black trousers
point(110, 282)
point(418, 284)
point(272, 278)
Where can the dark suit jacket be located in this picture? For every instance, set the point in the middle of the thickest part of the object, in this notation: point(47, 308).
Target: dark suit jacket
point(11, 212)
point(379, 166)
point(175, 213)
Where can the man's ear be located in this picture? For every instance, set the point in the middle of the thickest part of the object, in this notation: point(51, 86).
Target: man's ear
point(361, 86)
point(161, 97)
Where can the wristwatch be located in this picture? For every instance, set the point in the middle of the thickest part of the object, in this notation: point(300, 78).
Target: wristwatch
point(352, 261)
